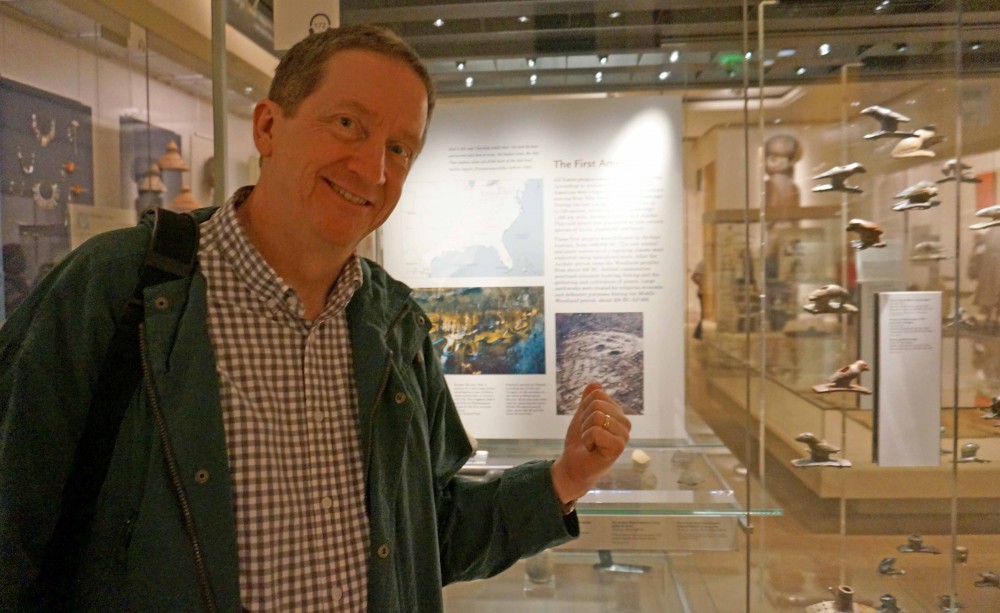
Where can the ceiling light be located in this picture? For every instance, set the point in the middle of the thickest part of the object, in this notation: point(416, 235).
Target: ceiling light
point(615, 14)
point(602, 59)
point(524, 19)
point(777, 120)
point(901, 47)
point(460, 65)
point(786, 52)
point(975, 45)
point(468, 81)
point(731, 73)
point(533, 79)
point(664, 75)
point(674, 56)
point(855, 103)
point(248, 90)
point(531, 62)
point(768, 63)
point(438, 22)
point(824, 49)
point(599, 76)
point(801, 70)
point(748, 55)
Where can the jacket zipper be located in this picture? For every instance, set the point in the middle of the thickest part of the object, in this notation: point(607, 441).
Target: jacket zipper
point(175, 478)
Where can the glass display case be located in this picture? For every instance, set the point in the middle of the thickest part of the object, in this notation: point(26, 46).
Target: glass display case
point(841, 403)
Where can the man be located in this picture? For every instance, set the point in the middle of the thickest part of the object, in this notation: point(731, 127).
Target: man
point(294, 446)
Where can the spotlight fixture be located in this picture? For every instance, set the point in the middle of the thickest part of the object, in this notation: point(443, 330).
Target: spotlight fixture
point(902, 47)
point(615, 14)
point(603, 59)
point(438, 22)
point(975, 45)
point(748, 55)
point(248, 90)
point(599, 76)
point(674, 56)
point(468, 81)
point(531, 62)
point(524, 19)
point(460, 65)
point(731, 73)
point(786, 52)
point(768, 63)
point(664, 75)
point(801, 70)
point(824, 49)
point(533, 79)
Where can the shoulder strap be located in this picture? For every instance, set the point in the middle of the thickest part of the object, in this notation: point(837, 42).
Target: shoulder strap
point(171, 255)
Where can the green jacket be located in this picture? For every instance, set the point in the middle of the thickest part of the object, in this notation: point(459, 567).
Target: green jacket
point(429, 527)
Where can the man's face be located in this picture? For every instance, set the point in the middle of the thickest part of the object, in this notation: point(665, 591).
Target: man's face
point(339, 163)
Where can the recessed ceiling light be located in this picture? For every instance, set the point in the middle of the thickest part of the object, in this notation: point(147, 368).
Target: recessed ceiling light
point(801, 70)
point(468, 81)
point(855, 103)
point(531, 62)
point(786, 52)
point(615, 14)
point(664, 75)
point(599, 76)
point(674, 56)
point(248, 90)
point(777, 120)
point(602, 59)
point(768, 63)
point(524, 19)
point(975, 45)
point(533, 79)
point(460, 65)
point(824, 49)
point(748, 55)
point(902, 47)
point(438, 22)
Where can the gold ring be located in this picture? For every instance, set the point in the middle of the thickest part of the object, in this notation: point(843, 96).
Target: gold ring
point(607, 421)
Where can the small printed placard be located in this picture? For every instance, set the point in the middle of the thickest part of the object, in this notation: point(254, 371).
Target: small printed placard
point(907, 379)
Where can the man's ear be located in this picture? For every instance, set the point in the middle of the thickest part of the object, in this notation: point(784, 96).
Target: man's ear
point(265, 114)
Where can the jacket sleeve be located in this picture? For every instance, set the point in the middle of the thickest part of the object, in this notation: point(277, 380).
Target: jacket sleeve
point(484, 526)
point(51, 349)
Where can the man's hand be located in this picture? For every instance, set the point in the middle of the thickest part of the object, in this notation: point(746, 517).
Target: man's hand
point(597, 435)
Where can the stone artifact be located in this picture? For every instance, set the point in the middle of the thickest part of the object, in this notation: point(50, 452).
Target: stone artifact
point(953, 170)
point(887, 567)
point(869, 234)
point(991, 212)
point(842, 380)
point(988, 579)
point(819, 453)
point(888, 604)
point(915, 544)
point(920, 195)
point(968, 454)
point(837, 176)
point(888, 120)
point(843, 602)
point(917, 145)
point(829, 299)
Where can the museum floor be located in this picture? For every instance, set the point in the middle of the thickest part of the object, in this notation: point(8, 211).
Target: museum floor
point(794, 558)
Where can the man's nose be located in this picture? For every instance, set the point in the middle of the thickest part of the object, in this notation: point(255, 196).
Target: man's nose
point(369, 161)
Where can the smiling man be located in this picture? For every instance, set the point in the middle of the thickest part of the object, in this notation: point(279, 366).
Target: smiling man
point(293, 445)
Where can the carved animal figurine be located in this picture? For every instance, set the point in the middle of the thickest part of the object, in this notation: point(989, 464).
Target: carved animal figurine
point(953, 170)
point(988, 579)
point(838, 175)
point(887, 567)
point(888, 120)
point(915, 544)
point(928, 250)
point(869, 234)
point(917, 196)
point(819, 450)
point(842, 380)
point(829, 299)
point(917, 145)
point(991, 212)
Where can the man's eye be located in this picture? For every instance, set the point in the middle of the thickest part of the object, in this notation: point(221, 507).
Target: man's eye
point(401, 151)
point(346, 122)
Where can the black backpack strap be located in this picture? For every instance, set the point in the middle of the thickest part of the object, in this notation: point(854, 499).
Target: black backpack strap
point(171, 255)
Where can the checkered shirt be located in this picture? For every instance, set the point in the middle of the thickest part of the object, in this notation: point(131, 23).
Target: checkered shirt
point(289, 407)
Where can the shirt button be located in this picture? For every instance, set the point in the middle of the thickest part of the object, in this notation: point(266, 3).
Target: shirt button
point(336, 594)
point(400, 398)
point(326, 503)
point(383, 551)
point(201, 476)
point(161, 303)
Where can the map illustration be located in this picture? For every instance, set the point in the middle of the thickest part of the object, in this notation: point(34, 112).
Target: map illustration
point(480, 228)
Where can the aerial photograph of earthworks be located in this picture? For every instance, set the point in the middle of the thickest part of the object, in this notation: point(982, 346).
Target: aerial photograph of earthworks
point(605, 347)
point(487, 330)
